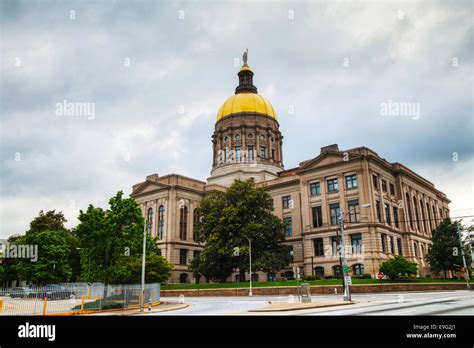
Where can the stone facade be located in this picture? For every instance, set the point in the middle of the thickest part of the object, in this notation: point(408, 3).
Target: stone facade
point(402, 207)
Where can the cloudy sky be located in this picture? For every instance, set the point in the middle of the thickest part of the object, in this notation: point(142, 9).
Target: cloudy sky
point(142, 62)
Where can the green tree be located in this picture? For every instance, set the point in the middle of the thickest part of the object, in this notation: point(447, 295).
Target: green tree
point(54, 221)
point(111, 243)
point(444, 254)
point(227, 220)
point(52, 265)
point(397, 267)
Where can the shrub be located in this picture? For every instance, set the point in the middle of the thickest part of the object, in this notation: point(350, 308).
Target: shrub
point(364, 276)
point(312, 277)
point(397, 267)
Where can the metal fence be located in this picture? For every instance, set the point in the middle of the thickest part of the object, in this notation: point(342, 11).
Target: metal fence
point(73, 297)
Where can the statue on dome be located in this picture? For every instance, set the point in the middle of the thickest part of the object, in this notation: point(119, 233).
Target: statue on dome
point(244, 58)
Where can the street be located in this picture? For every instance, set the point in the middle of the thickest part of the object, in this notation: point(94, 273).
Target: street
point(414, 303)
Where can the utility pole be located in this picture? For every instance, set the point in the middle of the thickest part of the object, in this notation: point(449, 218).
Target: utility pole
point(466, 271)
point(142, 301)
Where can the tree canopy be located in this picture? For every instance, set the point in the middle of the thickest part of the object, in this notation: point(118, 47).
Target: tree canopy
point(228, 220)
point(397, 267)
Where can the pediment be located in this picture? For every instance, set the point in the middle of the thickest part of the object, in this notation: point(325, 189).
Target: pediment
point(148, 186)
point(326, 159)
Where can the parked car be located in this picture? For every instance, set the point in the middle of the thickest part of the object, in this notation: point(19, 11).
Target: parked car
point(52, 292)
point(17, 292)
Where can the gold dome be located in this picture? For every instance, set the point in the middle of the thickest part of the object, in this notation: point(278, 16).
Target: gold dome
point(246, 102)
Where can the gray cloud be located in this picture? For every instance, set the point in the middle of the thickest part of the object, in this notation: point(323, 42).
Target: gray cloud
point(68, 162)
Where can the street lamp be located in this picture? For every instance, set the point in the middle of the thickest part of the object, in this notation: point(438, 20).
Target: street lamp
point(342, 255)
point(250, 267)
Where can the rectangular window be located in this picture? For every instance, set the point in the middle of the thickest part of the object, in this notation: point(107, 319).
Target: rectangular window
point(351, 181)
point(226, 154)
point(392, 189)
point(251, 155)
point(354, 210)
point(237, 153)
point(395, 217)
point(196, 253)
point(334, 210)
point(318, 247)
point(356, 242)
point(335, 244)
point(392, 247)
point(399, 245)
point(263, 152)
point(183, 256)
point(383, 237)
point(387, 213)
point(377, 207)
point(315, 188)
point(333, 186)
point(273, 154)
point(375, 181)
point(288, 226)
point(317, 217)
point(384, 186)
point(286, 202)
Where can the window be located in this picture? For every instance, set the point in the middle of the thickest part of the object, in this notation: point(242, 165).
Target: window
point(434, 216)
point(237, 136)
point(319, 271)
point(415, 206)
point(392, 247)
point(395, 217)
point(422, 250)
point(399, 246)
point(392, 189)
point(183, 222)
point(354, 210)
point(251, 155)
point(255, 277)
point(425, 221)
point(226, 154)
point(387, 213)
point(286, 202)
point(410, 214)
point(183, 256)
point(334, 211)
point(183, 278)
point(384, 186)
point(358, 269)
point(333, 185)
point(377, 207)
point(317, 217)
point(336, 270)
point(351, 181)
point(161, 221)
point(149, 220)
point(430, 224)
point(263, 151)
point(195, 224)
point(383, 237)
point(415, 248)
point(335, 245)
point(356, 242)
point(315, 188)
point(318, 247)
point(288, 226)
point(237, 153)
point(375, 181)
point(273, 153)
point(196, 253)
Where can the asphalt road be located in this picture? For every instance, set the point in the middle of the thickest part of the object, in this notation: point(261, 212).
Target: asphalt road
point(412, 303)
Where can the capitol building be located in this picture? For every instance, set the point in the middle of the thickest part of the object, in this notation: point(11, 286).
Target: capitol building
point(390, 210)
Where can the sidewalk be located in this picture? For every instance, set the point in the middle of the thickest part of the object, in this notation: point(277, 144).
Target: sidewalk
point(163, 307)
point(285, 306)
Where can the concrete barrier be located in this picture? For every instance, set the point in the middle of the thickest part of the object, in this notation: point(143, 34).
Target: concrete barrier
point(316, 289)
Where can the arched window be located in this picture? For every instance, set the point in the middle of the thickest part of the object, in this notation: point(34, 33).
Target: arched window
point(195, 223)
point(410, 214)
point(415, 248)
point(319, 271)
point(149, 220)
point(358, 269)
point(161, 221)
point(415, 206)
point(183, 222)
point(183, 278)
point(336, 270)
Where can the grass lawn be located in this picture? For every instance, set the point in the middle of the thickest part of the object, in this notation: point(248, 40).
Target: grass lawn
point(315, 282)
